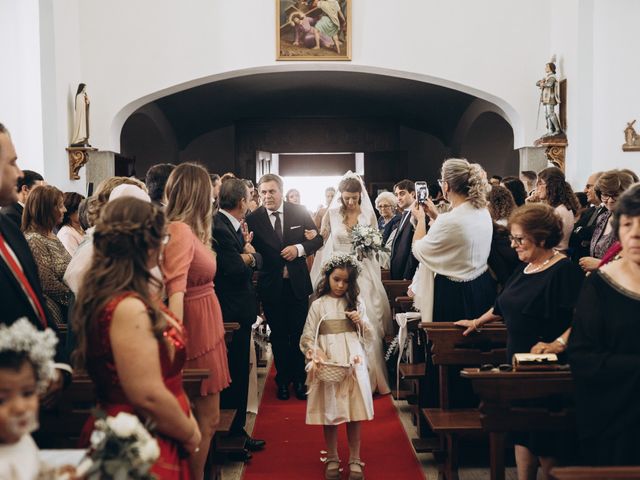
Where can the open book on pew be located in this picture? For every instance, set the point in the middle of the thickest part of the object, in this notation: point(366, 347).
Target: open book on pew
point(536, 361)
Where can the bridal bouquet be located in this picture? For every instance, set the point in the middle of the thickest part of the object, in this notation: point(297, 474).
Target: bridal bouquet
point(366, 241)
point(121, 448)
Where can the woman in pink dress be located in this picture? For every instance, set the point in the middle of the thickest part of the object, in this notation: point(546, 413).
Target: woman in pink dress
point(189, 267)
point(131, 345)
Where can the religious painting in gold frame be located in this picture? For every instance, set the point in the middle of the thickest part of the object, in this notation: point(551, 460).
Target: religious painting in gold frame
point(313, 29)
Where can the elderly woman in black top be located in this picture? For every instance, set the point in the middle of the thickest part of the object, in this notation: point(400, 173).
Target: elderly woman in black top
point(604, 348)
point(536, 305)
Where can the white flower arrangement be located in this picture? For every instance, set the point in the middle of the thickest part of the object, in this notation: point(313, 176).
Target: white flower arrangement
point(339, 260)
point(121, 447)
point(40, 347)
point(366, 241)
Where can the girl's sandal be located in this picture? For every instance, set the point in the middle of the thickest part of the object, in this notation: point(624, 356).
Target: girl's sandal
point(332, 469)
point(355, 470)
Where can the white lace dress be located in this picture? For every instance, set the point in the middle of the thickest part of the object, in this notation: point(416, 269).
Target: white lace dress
point(347, 401)
point(372, 292)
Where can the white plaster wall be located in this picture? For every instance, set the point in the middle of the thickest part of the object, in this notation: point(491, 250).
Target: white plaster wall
point(61, 73)
point(20, 97)
point(137, 51)
point(130, 53)
point(616, 82)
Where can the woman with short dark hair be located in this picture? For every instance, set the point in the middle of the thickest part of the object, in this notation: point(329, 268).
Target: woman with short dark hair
point(71, 232)
point(536, 306)
point(42, 213)
point(603, 348)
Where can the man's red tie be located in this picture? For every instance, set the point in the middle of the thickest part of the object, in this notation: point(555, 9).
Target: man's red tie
point(23, 281)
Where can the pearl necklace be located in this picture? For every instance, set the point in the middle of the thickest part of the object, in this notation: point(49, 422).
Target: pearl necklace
point(541, 266)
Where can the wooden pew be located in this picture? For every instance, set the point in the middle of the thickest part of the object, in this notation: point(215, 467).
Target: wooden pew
point(229, 328)
point(395, 289)
point(497, 392)
point(61, 426)
point(450, 349)
point(385, 274)
point(596, 473)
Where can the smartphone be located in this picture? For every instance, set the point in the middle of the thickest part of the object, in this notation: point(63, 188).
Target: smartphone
point(422, 192)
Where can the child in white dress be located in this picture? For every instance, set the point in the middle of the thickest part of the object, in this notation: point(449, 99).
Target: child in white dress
point(337, 319)
point(26, 368)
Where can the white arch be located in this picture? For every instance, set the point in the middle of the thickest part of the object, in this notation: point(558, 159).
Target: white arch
point(471, 114)
point(501, 106)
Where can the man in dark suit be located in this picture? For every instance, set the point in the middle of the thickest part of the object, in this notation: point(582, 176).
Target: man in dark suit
point(20, 290)
point(284, 284)
point(237, 260)
point(24, 184)
point(580, 240)
point(403, 263)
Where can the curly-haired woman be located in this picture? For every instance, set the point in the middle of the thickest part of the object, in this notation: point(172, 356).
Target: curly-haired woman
point(553, 189)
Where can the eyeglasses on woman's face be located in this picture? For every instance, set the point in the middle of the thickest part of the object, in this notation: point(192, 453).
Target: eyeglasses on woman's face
point(440, 182)
point(605, 197)
point(518, 240)
point(384, 206)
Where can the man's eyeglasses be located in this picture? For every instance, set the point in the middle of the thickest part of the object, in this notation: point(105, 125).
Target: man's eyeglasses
point(517, 240)
point(605, 198)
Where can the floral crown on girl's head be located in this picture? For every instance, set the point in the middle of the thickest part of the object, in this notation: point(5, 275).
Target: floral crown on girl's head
point(340, 260)
point(40, 347)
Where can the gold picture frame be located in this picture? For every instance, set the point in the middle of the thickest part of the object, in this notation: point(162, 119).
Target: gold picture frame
point(307, 30)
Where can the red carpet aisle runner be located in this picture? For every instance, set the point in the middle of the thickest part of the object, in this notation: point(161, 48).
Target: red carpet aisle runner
point(293, 447)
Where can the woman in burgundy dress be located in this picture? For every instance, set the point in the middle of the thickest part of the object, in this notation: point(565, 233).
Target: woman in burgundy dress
point(131, 345)
point(189, 267)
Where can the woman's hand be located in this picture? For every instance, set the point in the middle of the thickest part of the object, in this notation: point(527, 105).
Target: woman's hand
point(354, 317)
point(417, 211)
point(310, 234)
point(470, 325)
point(553, 347)
point(193, 444)
point(589, 264)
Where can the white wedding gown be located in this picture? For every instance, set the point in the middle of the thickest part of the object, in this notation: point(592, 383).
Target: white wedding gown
point(372, 292)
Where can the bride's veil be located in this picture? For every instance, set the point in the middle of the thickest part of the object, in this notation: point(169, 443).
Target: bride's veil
point(327, 249)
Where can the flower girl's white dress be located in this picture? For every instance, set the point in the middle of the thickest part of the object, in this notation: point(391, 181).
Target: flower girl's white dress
point(349, 400)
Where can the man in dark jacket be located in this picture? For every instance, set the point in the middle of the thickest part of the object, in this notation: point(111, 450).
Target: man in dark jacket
point(237, 260)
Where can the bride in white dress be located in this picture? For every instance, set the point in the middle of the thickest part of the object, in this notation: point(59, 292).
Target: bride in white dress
point(350, 206)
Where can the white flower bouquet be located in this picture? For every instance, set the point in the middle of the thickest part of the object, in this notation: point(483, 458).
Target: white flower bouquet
point(366, 241)
point(121, 448)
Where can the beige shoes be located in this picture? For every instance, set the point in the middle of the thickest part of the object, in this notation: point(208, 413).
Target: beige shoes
point(332, 469)
point(355, 470)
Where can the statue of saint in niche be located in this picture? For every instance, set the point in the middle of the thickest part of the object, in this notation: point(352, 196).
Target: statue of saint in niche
point(550, 97)
point(80, 136)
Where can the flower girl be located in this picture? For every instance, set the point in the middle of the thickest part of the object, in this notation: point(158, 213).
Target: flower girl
point(26, 369)
point(338, 381)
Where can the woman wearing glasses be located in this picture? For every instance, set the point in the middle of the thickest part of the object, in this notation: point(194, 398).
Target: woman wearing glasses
point(536, 306)
point(387, 206)
point(608, 188)
point(603, 348)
